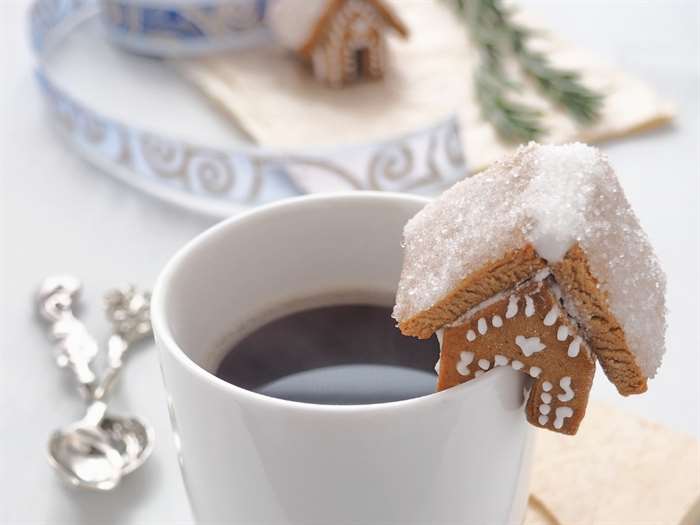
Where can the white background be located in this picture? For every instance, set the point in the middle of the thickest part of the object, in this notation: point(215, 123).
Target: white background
point(60, 215)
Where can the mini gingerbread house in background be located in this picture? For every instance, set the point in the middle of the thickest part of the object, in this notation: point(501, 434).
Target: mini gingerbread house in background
point(538, 264)
point(342, 40)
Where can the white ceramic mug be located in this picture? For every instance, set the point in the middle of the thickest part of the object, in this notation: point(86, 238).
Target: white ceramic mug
point(460, 456)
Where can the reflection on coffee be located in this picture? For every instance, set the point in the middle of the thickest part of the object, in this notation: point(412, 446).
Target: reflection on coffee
point(342, 354)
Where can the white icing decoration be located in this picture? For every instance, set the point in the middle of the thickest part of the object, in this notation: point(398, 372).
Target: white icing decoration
point(512, 309)
point(529, 345)
point(562, 413)
point(437, 366)
point(500, 360)
point(535, 371)
point(544, 409)
point(484, 363)
point(563, 332)
point(497, 321)
point(462, 319)
point(552, 316)
point(541, 275)
point(556, 290)
point(574, 347)
point(478, 373)
point(529, 306)
point(565, 385)
point(550, 247)
point(465, 359)
point(482, 326)
point(471, 335)
point(542, 420)
point(546, 398)
point(517, 365)
point(546, 386)
point(439, 333)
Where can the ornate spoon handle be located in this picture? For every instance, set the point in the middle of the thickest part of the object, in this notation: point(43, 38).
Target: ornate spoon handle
point(116, 348)
point(129, 312)
point(127, 309)
point(75, 348)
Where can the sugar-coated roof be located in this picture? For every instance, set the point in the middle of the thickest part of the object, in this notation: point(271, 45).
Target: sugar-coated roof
point(550, 197)
point(292, 21)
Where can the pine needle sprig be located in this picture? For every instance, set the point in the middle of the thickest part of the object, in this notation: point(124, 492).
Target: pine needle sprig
point(562, 86)
point(492, 29)
point(513, 121)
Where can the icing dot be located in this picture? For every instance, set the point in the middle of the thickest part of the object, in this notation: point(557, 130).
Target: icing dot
point(471, 335)
point(529, 306)
point(512, 309)
point(517, 365)
point(542, 420)
point(544, 409)
point(574, 347)
point(551, 316)
point(535, 371)
point(497, 321)
point(529, 345)
point(541, 275)
point(478, 373)
point(546, 398)
point(563, 332)
point(562, 413)
point(482, 326)
point(484, 363)
point(500, 360)
point(565, 385)
point(546, 386)
point(465, 359)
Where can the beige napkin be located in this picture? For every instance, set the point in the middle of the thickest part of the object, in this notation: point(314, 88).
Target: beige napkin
point(276, 101)
point(618, 469)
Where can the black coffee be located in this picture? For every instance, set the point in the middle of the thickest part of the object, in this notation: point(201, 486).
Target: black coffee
point(345, 354)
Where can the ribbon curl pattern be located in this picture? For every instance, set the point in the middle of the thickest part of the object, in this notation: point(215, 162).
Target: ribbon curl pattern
point(216, 181)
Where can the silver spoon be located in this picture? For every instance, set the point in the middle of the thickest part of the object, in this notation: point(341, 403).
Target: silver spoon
point(96, 451)
point(84, 455)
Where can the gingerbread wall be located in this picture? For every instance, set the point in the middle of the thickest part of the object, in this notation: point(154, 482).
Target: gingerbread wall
point(528, 331)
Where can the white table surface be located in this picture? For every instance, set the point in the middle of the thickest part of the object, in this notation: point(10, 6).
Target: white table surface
point(60, 215)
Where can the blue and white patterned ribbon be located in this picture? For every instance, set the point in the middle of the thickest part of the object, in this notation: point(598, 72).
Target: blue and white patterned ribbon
point(219, 181)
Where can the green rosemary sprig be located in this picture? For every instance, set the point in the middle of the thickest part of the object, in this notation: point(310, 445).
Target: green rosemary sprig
point(561, 86)
point(513, 121)
point(492, 29)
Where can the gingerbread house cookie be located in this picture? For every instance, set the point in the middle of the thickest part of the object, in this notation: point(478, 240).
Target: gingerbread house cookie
point(342, 40)
point(539, 264)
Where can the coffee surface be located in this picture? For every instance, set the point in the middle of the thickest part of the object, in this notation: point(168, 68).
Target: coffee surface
point(342, 354)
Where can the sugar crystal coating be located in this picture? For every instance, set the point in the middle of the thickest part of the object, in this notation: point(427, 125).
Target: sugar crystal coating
point(550, 197)
point(293, 21)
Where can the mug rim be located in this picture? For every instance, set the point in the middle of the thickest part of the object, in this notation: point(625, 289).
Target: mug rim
point(167, 343)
